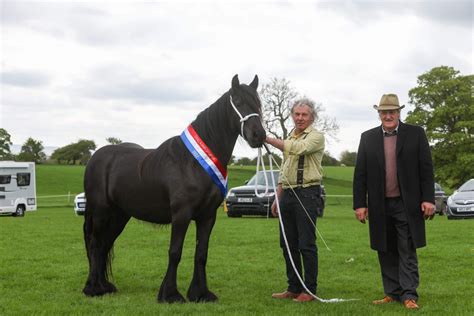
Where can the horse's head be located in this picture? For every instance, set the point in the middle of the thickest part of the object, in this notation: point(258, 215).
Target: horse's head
point(248, 111)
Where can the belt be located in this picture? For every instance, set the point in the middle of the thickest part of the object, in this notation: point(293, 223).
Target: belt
point(297, 189)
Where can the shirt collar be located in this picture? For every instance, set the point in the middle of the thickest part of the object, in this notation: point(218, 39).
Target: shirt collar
point(306, 131)
point(395, 131)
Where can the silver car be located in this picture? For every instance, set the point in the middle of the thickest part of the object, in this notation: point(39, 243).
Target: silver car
point(461, 202)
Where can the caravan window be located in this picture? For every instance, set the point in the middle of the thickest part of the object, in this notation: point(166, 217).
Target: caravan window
point(22, 179)
point(5, 179)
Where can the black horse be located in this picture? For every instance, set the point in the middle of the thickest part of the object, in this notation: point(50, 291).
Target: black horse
point(166, 185)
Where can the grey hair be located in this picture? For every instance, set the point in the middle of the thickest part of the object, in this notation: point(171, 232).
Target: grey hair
point(309, 103)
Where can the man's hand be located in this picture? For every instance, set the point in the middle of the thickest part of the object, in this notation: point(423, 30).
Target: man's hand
point(274, 209)
point(362, 214)
point(428, 210)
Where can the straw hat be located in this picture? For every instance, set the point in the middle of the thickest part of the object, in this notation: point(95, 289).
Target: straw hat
point(389, 102)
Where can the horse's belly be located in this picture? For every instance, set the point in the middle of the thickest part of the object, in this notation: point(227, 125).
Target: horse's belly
point(152, 215)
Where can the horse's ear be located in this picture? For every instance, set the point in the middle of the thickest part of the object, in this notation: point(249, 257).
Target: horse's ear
point(254, 83)
point(235, 82)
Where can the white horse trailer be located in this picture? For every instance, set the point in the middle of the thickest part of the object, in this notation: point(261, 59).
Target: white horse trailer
point(17, 187)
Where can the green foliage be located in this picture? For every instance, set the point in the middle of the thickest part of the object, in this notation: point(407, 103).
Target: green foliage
point(75, 152)
point(113, 140)
point(348, 158)
point(5, 143)
point(244, 161)
point(32, 150)
point(444, 107)
point(328, 160)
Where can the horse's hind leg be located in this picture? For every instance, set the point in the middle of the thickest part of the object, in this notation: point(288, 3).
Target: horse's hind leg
point(169, 290)
point(101, 228)
point(198, 290)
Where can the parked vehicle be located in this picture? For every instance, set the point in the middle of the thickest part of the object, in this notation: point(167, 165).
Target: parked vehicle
point(80, 204)
point(461, 202)
point(17, 187)
point(242, 200)
point(440, 200)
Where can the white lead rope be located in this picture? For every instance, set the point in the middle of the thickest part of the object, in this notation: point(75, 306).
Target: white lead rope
point(242, 118)
point(332, 300)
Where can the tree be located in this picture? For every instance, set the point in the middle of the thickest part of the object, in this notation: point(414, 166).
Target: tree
point(328, 160)
point(348, 158)
point(32, 150)
point(75, 152)
point(243, 161)
point(113, 140)
point(5, 143)
point(277, 99)
point(444, 107)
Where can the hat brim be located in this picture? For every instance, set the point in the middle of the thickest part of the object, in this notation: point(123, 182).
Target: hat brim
point(387, 107)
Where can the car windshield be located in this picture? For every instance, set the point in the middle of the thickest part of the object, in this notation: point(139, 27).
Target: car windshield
point(438, 187)
point(260, 178)
point(468, 186)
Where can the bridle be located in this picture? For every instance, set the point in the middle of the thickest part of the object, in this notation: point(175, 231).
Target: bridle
point(242, 118)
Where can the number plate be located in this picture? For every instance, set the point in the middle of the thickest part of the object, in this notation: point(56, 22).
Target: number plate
point(245, 200)
point(466, 209)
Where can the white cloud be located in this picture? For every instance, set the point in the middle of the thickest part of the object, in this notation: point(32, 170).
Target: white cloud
point(141, 71)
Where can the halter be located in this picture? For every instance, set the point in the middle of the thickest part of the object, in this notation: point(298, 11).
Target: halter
point(242, 119)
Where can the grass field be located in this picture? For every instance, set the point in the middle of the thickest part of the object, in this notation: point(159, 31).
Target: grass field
point(44, 266)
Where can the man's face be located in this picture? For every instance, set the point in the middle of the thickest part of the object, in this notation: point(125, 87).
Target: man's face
point(389, 119)
point(302, 117)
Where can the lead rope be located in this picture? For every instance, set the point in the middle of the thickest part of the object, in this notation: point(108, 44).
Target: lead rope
point(332, 300)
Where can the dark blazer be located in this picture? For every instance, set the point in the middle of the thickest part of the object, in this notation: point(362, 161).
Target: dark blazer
point(415, 179)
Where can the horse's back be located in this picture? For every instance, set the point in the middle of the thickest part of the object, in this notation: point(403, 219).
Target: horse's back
point(108, 165)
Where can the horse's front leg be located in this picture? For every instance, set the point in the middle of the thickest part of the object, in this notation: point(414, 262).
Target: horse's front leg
point(169, 290)
point(198, 291)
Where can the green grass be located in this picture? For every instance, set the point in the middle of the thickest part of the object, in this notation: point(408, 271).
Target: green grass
point(44, 266)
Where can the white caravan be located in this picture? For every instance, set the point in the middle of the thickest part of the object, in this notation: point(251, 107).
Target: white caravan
point(17, 187)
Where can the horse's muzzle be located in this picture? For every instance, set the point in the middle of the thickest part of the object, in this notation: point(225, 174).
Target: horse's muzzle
point(257, 139)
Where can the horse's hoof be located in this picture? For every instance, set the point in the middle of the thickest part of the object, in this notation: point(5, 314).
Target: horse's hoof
point(99, 289)
point(208, 297)
point(177, 298)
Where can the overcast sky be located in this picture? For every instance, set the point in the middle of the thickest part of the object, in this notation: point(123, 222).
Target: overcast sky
point(142, 71)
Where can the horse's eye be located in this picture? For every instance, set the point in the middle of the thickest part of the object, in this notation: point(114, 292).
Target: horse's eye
point(237, 100)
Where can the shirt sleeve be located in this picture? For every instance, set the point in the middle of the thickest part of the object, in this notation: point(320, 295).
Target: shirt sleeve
point(312, 143)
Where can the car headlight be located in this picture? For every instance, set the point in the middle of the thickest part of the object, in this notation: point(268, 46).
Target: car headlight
point(450, 200)
point(230, 194)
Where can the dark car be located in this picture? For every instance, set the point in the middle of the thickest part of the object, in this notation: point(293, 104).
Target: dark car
point(461, 202)
point(440, 199)
point(243, 200)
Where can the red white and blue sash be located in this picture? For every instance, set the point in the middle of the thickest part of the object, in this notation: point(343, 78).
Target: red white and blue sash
point(205, 157)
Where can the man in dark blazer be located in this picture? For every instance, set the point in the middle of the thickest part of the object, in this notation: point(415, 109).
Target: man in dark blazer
point(394, 174)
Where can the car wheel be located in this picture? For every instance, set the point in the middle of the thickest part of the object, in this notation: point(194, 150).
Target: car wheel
point(449, 217)
point(230, 214)
point(20, 211)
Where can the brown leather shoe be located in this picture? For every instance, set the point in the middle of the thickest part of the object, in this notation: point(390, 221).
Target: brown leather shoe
point(411, 304)
point(286, 294)
point(385, 300)
point(304, 297)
